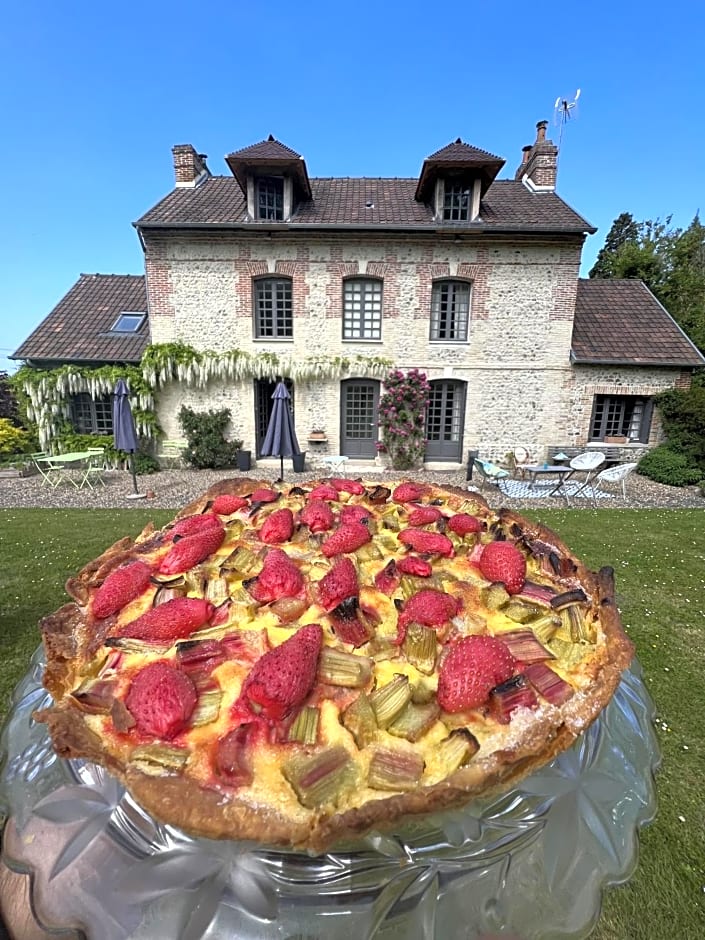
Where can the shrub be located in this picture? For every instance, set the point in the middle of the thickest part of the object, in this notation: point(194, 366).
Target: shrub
point(402, 417)
point(683, 418)
point(13, 440)
point(665, 465)
point(205, 433)
point(146, 464)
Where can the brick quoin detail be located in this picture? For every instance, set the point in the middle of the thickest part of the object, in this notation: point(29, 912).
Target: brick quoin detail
point(684, 380)
point(480, 293)
point(160, 295)
point(245, 271)
point(337, 271)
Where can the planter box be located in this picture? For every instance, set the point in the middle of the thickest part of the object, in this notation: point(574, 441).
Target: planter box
point(615, 440)
point(15, 474)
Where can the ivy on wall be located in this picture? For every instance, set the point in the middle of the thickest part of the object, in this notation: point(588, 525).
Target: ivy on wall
point(46, 393)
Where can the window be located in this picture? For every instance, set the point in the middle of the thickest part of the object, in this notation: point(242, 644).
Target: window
point(362, 309)
point(92, 416)
point(270, 198)
point(273, 309)
point(456, 202)
point(128, 323)
point(621, 416)
point(450, 311)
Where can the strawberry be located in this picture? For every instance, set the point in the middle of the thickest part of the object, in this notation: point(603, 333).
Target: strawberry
point(408, 492)
point(191, 525)
point(339, 584)
point(354, 487)
point(323, 491)
point(388, 579)
point(346, 538)
point(277, 528)
point(264, 495)
point(279, 577)
point(317, 515)
point(430, 608)
point(120, 587)
point(192, 550)
point(161, 699)
point(473, 667)
point(226, 505)
point(424, 515)
point(416, 566)
point(283, 677)
point(463, 524)
point(354, 514)
point(422, 541)
point(502, 561)
point(172, 620)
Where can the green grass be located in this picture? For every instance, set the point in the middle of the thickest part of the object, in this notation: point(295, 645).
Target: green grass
point(659, 560)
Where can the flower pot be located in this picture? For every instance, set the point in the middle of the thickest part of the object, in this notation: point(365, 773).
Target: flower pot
point(244, 460)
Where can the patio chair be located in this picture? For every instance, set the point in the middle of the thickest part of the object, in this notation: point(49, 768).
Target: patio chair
point(521, 458)
point(94, 468)
point(49, 473)
point(172, 453)
point(490, 473)
point(616, 474)
point(586, 463)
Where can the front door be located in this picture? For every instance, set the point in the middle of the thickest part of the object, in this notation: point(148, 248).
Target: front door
point(264, 403)
point(359, 400)
point(444, 421)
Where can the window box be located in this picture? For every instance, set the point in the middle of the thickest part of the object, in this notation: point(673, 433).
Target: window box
point(317, 436)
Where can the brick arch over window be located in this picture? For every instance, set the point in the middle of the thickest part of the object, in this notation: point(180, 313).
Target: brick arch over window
point(272, 305)
point(362, 308)
point(450, 310)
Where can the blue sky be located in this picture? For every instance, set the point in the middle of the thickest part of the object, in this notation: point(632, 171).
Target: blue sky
point(93, 96)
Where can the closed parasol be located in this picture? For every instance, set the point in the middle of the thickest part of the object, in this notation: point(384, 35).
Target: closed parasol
point(124, 433)
point(280, 439)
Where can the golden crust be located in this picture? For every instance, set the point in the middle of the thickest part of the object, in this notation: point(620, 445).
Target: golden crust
point(184, 802)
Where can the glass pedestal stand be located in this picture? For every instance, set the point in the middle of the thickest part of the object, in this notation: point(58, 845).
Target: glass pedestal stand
point(531, 864)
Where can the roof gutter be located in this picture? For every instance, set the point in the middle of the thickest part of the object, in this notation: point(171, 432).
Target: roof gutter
point(455, 231)
point(638, 362)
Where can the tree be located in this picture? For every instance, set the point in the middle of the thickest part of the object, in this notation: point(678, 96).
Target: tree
point(683, 292)
point(624, 231)
point(637, 250)
point(8, 402)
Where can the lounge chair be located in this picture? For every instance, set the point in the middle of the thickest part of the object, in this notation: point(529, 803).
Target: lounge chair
point(613, 475)
point(490, 473)
point(586, 463)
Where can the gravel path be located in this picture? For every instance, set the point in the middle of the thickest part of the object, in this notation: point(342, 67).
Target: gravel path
point(172, 489)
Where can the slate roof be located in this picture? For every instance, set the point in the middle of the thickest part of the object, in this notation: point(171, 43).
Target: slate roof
point(460, 152)
point(78, 328)
point(269, 149)
point(342, 202)
point(621, 322)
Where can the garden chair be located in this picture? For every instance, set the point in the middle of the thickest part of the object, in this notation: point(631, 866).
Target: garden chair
point(172, 453)
point(616, 474)
point(490, 473)
point(586, 463)
point(521, 458)
point(50, 474)
point(94, 468)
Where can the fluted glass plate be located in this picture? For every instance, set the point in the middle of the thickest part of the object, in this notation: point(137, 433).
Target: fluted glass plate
point(530, 864)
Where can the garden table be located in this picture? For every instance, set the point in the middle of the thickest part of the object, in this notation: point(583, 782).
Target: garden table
point(57, 467)
point(528, 864)
point(560, 471)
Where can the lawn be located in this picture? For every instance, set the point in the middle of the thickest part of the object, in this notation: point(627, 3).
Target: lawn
point(659, 558)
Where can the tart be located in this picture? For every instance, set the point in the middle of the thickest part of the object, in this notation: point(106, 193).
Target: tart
point(299, 665)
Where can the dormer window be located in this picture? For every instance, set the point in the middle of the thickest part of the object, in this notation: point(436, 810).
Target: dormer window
point(270, 198)
point(456, 202)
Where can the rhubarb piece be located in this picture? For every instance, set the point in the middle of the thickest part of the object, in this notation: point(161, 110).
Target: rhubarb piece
point(279, 577)
point(456, 750)
point(524, 646)
point(420, 647)
point(359, 718)
point(418, 567)
point(338, 667)
point(464, 524)
point(574, 619)
point(520, 612)
point(350, 624)
point(545, 627)
point(200, 657)
point(155, 760)
point(233, 756)
point(120, 587)
point(510, 695)
point(430, 608)
point(165, 593)
point(217, 591)
point(408, 492)
point(192, 550)
point(559, 601)
point(495, 596)
point(304, 728)
point(95, 696)
point(338, 585)
point(191, 525)
point(424, 515)
point(207, 707)
point(502, 561)
point(379, 494)
point(369, 552)
point(283, 677)
point(161, 699)
point(318, 779)
point(548, 684)
point(395, 770)
point(289, 609)
point(390, 519)
point(277, 528)
point(242, 563)
point(536, 593)
point(415, 721)
point(424, 542)
point(473, 666)
point(317, 515)
point(127, 644)
point(390, 699)
point(346, 538)
point(388, 579)
point(173, 620)
point(226, 505)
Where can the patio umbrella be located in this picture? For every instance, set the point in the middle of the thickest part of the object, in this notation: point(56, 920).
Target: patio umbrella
point(280, 439)
point(124, 433)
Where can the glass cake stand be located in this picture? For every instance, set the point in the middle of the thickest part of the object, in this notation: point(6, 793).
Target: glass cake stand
point(530, 864)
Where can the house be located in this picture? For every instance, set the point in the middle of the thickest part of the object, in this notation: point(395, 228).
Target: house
point(328, 282)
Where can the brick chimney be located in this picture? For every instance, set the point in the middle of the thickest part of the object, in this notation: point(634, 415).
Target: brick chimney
point(189, 167)
point(539, 163)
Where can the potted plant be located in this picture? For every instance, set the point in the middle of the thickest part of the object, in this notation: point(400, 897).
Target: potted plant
point(317, 434)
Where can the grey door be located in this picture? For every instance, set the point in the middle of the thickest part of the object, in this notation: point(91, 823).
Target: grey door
point(444, 421)
point(359, 400)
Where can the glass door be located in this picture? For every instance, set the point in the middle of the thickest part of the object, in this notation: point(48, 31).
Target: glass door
point(359, 401)
point(444, 421)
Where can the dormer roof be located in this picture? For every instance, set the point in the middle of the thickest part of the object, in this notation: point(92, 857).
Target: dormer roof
point(457, 158)
point(270, 158)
